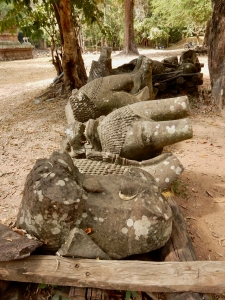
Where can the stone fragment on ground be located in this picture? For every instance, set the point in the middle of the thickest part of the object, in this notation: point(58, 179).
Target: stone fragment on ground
point(15, 246)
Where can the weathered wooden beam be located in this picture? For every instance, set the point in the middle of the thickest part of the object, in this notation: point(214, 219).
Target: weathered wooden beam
point(198, 276)
point(179, 248)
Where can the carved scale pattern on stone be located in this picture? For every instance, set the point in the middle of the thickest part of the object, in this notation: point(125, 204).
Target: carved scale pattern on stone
point(92, 89)
point(115, 127)
point(93, 167)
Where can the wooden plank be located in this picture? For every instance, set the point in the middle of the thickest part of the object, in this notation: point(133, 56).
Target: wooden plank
point(179, 248)
point(197, 276)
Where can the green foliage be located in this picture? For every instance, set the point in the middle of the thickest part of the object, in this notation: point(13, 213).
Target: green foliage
point(189, 14)
point(55, 295)
point(131, 294)
point(179, 188)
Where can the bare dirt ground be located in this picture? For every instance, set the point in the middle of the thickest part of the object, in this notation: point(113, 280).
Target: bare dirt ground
point(32, 130)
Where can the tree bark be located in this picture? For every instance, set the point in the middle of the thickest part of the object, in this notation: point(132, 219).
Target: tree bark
point(206, 36)
point(72, 62)
point(217, 53)
point(129, 41)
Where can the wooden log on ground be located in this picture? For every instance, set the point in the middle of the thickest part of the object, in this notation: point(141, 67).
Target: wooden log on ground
point(195, 276)
point(179, 248)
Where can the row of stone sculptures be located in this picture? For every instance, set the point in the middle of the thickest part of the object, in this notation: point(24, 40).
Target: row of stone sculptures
point(114, 129)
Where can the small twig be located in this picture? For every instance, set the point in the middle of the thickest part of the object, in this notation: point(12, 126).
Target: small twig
point(183, 206)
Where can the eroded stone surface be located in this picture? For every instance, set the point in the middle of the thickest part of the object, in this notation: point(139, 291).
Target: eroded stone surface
point(54, 203)
point(138, 131)
point(52, 200)
point(15, 246)
point(102, 95)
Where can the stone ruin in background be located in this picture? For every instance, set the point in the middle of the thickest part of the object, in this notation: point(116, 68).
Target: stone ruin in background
point(100, 195)
point(12, 49)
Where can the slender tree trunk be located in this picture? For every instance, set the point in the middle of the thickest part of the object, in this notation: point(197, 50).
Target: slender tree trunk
point(129, 41)
point(72, 62)
point(217, 52)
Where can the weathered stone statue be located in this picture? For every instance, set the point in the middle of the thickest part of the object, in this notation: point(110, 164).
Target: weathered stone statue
point(138, 131)
point(102, 95)
point(93, 216)
point(133, 135)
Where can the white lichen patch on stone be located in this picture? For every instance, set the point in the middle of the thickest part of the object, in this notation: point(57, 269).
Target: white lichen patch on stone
point(166, 162)
point(63, 218)
point(38, 218)
point(78, 222)
point(167, 180)
point(61, 182)
point(161, 199)
point(77, 201)
point(124, 230)
point(141, 227)
point(85, 197)
point(172, 167)
point(40, 195)
point(66, 179)
point(95, 218)
point(68, 202)
point(52, 175)
point(156, 133)
point(55, 215)
point(171, 129)
point(100, 219)
point(35, 192)
point(157, 179)
point(184, 105)
point(157, 126)
point(143, 176)
point(172, 108)
point(55, 230)
point(69, 133)
point(178, 170)
point(185, 128)
point(84, 215)
point(130, 222)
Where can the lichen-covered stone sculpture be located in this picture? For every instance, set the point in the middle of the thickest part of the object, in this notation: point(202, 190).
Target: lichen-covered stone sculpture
point(104, 94)
point(137, 132)
point(123, 214)
point(133, 135)
point(165, 168)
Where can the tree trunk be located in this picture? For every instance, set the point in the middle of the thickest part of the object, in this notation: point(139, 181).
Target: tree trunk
point(217, 53)
point(72, 62)
point(129, 41)
point(206, 35)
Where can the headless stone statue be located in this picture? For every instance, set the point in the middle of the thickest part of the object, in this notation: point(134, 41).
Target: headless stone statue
point(137, 132)
point(124, 214)
point(133, 135)
point(102, 95)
